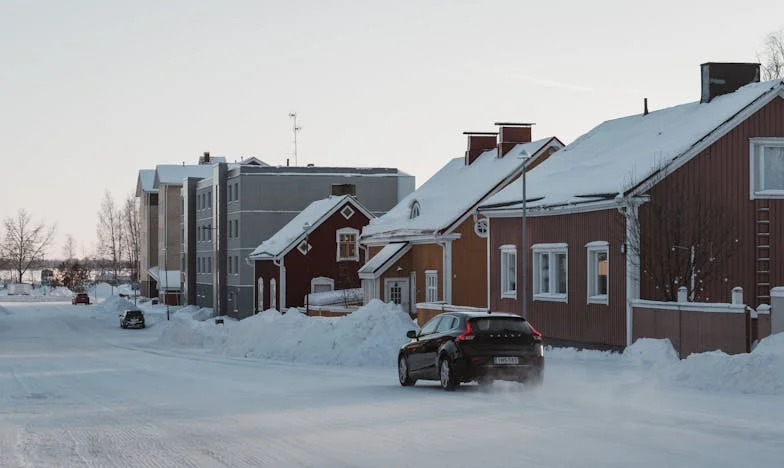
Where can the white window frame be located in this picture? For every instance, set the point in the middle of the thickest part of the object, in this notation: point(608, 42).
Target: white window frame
point(431, 285)
point(415, 210)
point(347, 211)
point(508, 253)
point(551, 250)
point(304, 247)
point(755, 168)
point(593, 249)
point(346, 231)
point(321, 281)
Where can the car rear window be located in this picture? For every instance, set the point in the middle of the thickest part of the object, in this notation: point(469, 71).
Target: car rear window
point(133, 314)
point(495, 324)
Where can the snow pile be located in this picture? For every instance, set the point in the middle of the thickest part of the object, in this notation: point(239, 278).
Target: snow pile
point(369, 336)
point(101, 290)
point(115, 305)
point(574, 354)
point(651, 351)
point(761, 371)
point(61, 291)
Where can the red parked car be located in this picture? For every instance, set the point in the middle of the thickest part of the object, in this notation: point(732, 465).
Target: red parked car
point(80, 298)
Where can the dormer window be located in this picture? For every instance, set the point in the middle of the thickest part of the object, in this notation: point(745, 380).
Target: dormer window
point(414, 209)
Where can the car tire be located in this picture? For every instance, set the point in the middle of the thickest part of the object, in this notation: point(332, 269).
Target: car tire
point(447, 375)
point(122, 325)
point(143, 325)
point(402, 372)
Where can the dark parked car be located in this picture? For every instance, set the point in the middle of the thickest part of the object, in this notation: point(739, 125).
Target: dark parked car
point(457, 347)
point(132, 318)
point(80, 298)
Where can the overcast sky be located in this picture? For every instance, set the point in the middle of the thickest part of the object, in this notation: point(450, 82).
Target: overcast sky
point(93, 91)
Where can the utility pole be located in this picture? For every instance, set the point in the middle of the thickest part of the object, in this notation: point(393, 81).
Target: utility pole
point(295, 129)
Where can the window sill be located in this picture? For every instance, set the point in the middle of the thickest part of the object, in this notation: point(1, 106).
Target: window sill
point(509, 295)
point(551, 297)
point(772, 194)
point(598, 300)
point(349, 259)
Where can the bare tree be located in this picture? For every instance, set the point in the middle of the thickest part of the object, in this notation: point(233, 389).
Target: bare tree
point(132, 239)
point(683, 236)
point(69, 248)
point(25, 242)
point(771, 57)
point(110, 234)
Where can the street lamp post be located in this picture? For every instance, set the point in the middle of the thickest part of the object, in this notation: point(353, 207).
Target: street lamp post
point(524, 241)
point(306, 227)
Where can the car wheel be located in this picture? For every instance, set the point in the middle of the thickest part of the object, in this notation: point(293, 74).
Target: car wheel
point(122, 325)
point(402, 372)
point(143, 325)
point(445, 371)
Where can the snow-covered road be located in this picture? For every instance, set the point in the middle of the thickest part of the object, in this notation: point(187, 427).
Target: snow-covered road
point(76, 390)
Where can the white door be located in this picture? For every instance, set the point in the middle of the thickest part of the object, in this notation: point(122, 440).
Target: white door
point(396, 290)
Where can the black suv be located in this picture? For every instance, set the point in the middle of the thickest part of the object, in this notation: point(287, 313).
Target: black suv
point(133, 318)
point(457, 347)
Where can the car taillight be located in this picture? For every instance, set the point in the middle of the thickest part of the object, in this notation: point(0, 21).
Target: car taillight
point(539, 348)
point(534, 330)
point(468, 334)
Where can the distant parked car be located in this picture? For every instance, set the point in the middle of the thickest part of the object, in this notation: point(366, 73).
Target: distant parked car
point(457, 347)
point(132, 318)
point(80, 298)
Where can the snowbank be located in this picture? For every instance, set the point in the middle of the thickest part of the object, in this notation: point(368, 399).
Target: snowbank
point(115, 305)
point(369, 336)
point(761, 371)
point(651, 351)
point(61, 291)
point(340, 296)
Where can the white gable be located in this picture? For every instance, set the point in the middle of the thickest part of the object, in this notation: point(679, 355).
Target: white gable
point(451, 192)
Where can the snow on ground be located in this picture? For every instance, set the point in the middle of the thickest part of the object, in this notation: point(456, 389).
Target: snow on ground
point(371, 336)
point(76, 390)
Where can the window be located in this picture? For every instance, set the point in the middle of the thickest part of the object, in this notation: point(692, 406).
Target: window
point(431, 286)
point(430, 327)
point(447, 323)
point(229, 269)
point(209, 264)
point(550, 272)
point(348, 248)
point(304, 247)
point(347, 212)
point(481, 228)
point(509, 271)
point(767, 167)
point(236, 191)
point(228, 192)
point(237, 264)
point(273, 294)
point(322, 284)
point(230, 225)
point(414, 209)
point(209, 199)
point(598, 271)
point(182, 262)
point(236, 228)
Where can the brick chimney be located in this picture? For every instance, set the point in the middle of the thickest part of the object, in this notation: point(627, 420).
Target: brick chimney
point(725, 78)
point(205, 159)
point(478, 143)
point(511, 134)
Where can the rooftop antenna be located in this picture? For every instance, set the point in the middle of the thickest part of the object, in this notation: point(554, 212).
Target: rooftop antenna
point(295, 129)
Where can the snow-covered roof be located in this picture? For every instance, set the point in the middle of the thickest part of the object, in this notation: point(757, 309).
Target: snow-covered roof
point(619, 154)
point(174, 174)
point(292, 233)
point(168, 280)
point(452, 191)
point(146, 182)
point(393, 250)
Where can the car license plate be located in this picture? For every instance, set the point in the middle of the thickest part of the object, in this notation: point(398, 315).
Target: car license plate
point(506, 360)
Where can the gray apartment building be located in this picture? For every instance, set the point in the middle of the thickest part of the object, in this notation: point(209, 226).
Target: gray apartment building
point(224, 217)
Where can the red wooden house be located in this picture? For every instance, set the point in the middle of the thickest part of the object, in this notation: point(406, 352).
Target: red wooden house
point(642, 205)
point(316, 251)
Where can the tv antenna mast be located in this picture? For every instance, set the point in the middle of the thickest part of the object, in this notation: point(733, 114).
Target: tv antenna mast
point(295, 129)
